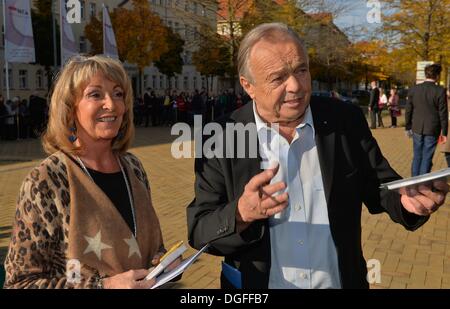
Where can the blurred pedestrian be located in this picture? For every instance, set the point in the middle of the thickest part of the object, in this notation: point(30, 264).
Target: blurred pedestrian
point(393, 106)
point(426, 117)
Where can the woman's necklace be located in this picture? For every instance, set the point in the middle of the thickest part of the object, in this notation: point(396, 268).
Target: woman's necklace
point(130, 196)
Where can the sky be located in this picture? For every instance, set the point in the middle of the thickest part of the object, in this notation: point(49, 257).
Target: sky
point(357, 14)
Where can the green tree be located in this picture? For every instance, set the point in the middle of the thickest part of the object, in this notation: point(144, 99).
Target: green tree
point(212, 57)
point(171, 63)
point(94, 33)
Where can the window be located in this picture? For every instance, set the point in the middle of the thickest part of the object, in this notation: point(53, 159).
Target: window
point(39, 79)
point(169, 3)
point(170, 23)
point(10, 78)
point(82, 44)
point(161, 82)
point(186, 5)
point(203, 82)
point(185, 83)
point(194, 7)
point(23, 79)
point(92, 10)
point(181, 30)
point(82, 9)
point(194, 82)
point(146, 83)
point(154, 2)
point(154, 81)
point(203, 10)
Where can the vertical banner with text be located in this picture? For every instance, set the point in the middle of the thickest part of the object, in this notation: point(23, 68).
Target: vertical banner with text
point(68, 44)
point(19, 43)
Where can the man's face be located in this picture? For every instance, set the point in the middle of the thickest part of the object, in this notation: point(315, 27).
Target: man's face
point(281, 86)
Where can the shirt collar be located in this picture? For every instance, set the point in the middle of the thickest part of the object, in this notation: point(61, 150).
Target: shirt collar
point(307, 120)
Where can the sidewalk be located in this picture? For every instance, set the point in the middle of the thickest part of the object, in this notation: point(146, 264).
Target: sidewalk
point(408, 260)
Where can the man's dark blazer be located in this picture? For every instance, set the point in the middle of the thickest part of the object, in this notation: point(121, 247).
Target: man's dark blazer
point(426, 110)
point(352, 169)
point(374, 98)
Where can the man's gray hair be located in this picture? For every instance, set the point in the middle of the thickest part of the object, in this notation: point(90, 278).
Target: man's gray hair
point(269, 31)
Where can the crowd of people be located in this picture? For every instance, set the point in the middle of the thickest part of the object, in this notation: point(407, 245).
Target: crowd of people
point(173, 106)
point(379, 101)
point(22, 118)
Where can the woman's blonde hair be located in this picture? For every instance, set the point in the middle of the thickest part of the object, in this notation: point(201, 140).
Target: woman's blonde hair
point(67, 91)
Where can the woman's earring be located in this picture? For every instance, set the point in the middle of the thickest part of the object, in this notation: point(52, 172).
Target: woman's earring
point(120, 134)
point(72, 136)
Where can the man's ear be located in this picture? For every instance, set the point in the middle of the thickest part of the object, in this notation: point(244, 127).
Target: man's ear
point(248, 87)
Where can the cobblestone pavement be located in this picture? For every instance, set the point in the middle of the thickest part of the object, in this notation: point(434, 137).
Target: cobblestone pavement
point(408, 260)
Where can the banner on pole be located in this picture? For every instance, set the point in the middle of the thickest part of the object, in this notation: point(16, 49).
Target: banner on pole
point(109, 39)
point(68, 43)
point(19, 42)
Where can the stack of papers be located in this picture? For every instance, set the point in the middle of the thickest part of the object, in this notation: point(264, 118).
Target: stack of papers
point(413, 182)
point(166, 277)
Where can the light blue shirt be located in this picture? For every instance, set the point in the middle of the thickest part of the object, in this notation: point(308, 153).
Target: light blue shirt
point(302, 248)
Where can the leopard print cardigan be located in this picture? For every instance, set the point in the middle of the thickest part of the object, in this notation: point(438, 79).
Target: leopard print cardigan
point(68, 234)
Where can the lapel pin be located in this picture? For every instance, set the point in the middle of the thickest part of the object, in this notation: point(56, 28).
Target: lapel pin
point(325, 122)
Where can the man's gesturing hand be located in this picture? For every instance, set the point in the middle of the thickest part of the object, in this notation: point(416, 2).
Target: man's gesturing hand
point(257, 201)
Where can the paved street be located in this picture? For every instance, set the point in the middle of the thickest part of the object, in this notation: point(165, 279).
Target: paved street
point(408, 260)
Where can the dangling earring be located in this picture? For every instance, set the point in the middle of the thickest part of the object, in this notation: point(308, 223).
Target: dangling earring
point(72, 136)
point(120, 134)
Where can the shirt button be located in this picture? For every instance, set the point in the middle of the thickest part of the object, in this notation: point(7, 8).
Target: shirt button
point(303, 276)
point(300, 242)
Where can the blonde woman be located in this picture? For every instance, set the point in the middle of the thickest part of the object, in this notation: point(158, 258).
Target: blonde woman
point(84, 216)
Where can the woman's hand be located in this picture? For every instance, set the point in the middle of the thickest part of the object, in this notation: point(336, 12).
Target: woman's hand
point(132, 279)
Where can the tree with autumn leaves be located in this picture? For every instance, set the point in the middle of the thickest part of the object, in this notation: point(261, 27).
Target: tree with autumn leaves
point(142, 38)
point(213, 55)
point(417, 30)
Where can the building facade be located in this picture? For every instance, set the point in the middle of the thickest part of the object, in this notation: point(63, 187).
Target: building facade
point(184, 16)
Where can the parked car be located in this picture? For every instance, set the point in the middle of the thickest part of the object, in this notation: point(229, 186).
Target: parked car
point(335, 94)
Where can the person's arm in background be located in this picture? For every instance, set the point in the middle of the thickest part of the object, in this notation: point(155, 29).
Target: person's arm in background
point(409, 108)
point(443, 114)
point(372, 99)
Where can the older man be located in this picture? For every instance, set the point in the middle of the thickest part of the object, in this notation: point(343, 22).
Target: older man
point(297, 225)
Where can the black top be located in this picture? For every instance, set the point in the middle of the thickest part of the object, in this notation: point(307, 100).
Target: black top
point(113, 184)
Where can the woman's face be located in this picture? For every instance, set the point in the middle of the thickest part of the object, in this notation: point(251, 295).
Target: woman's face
point(99, 112)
